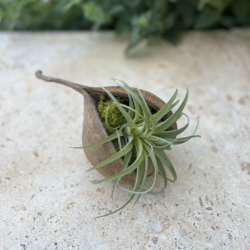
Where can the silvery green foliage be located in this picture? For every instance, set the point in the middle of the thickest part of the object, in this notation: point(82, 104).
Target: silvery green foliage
point(147, 136)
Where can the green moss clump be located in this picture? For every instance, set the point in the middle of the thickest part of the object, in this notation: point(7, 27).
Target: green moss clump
point(114, 117)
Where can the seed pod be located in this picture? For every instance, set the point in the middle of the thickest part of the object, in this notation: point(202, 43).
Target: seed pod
point(93, 129)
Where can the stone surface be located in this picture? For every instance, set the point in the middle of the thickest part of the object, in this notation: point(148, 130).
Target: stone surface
point(47, 199)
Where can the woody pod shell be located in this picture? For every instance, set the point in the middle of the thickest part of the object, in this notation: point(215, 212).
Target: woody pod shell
point(93, 129)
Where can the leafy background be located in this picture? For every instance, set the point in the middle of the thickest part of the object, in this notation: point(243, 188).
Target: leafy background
point(144, 19)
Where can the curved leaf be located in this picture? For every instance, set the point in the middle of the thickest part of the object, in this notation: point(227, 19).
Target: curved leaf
point(166, 124)
point(116, 156)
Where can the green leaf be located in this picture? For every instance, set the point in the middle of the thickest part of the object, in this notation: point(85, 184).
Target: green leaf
point(117, 8)
point(167, 123)
point(164, 159)
point(147, 113)
point(207, 18)
point(107, 139)
point(122, 26)
point(144, 20)
point(185, 9)
point(172, 35)
point(116, 156)
point(202, 4)
point(131, 106)
point(158, 142)
point(166, 108)
point(220, 5)
point(136, 99)
point(119, 140)
point(133, 110)
point(131, 168)
point(124, 166)
point(135, 39)
point(169, 20)
point(70, 4)
point(160, 4)
point(145, 173)
point(94, 12)
point(123, 111)
point(163, 175)
point(139, 178)
point(136, 186)
point(137, 108)
point(173, 133)
point(145, 140)
point(152, 156)
point(184, 139)
point(174, 104)
point(240, 8)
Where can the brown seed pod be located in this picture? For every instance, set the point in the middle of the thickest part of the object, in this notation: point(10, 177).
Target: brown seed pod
point(93, 129)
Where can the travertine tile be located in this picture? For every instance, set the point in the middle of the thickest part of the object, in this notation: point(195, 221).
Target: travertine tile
point(47, 199)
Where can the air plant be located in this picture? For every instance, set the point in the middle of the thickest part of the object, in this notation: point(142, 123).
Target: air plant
point(146, 136)
point(142, 136)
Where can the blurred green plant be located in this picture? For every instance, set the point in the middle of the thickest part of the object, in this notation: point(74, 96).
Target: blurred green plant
point(145, 19)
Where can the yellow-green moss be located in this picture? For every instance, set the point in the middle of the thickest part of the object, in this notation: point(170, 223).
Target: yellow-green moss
point(114, 117)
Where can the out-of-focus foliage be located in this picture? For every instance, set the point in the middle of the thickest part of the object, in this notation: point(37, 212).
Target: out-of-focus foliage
point(148, 19)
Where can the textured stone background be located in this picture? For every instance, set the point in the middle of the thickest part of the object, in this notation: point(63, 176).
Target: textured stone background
point(47, 200)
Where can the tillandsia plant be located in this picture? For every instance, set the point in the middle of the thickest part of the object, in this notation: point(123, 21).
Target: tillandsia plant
point(141, 135)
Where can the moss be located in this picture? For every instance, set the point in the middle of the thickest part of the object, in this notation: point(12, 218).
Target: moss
point(114, 117)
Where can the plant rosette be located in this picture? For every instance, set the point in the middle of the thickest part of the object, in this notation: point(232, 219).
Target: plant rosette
point(125, 130)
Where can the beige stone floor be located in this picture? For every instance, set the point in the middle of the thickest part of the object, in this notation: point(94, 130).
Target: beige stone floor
point(47, 200)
